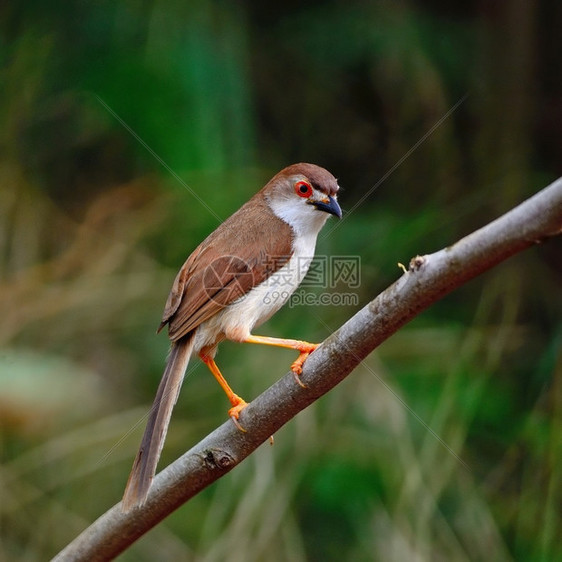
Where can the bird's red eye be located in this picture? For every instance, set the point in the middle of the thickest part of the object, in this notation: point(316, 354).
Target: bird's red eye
point(303, 189)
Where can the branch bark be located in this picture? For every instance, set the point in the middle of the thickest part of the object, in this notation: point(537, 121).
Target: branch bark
point(427, 280)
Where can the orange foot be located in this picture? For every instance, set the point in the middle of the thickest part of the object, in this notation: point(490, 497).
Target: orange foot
point(305, 350)
point(238, 404)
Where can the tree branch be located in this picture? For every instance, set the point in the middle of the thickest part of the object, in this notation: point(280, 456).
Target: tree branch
point(427, 280)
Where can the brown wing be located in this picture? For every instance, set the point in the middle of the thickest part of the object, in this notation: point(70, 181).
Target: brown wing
point(226, 265)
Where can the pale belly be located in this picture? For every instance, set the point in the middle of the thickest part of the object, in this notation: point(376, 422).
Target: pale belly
point(238, 319)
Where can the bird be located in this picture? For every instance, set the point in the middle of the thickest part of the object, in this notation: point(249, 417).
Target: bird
point(234, 281)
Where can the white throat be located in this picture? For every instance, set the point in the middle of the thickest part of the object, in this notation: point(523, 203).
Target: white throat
point(305, 219)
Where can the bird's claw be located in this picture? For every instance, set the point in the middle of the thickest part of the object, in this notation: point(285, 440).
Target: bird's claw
point(296, 367)
point(234, 413)
point(305, 350)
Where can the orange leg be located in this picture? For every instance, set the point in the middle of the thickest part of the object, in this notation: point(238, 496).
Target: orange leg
point(238, 404)
point(303, 347)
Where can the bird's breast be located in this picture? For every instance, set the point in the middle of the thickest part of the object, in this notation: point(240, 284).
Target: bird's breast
point(239, 318)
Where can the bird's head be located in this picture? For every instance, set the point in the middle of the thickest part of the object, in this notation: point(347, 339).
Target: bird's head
point(304, 195)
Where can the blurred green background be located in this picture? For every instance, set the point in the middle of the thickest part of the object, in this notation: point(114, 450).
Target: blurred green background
point(109, 110)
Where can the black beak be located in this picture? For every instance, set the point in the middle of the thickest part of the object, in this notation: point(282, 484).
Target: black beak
point(331, 206)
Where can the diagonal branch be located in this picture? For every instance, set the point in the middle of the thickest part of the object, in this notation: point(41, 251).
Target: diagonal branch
point(427, 280)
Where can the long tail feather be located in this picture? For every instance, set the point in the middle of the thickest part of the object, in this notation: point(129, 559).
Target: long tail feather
point(152, 442)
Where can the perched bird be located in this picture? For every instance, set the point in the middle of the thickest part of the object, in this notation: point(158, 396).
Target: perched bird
point(235, 280)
